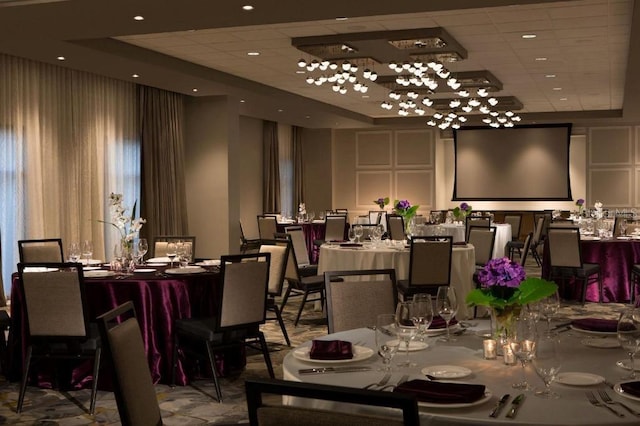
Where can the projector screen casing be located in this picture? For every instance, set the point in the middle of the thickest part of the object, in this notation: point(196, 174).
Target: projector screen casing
point(524, 163)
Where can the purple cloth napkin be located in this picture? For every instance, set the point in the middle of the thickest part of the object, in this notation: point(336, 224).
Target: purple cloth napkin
point(330, 350)
point(442, 392)
point(632, 388)
point(439, 322)
point(596, 324)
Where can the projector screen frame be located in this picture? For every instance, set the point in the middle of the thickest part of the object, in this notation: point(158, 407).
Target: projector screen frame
point(568, 197)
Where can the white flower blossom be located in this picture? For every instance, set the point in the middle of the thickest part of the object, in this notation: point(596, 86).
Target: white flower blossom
point(127, 224)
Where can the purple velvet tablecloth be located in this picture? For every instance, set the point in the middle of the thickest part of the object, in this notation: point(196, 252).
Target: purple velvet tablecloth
point(158, 302)
point(615, 258)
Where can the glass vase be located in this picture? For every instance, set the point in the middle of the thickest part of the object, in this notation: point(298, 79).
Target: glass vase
point(503, 324)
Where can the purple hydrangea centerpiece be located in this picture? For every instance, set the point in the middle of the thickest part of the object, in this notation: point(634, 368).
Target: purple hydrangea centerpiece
point(501, 272)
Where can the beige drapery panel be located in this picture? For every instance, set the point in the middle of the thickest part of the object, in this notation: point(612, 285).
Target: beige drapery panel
point(298, 166)
point(164, 203)
point(271, 168)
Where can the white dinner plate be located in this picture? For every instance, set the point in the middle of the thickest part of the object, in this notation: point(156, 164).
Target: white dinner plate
point(414, 345)
point(601, 343)
point(360, 353)
point(39, 269)
point(99, 274)
point(589, 238)
point(141, 270)
point(624, 363)
point(579, 379)
point(623, 238)
point(446, 371)
point(185, 270)
point(443, 330)
point(91, 268)
point(596, 333)
point(159, 259)
point(209, 262)
point(156, 264)
point(90, 261)
point(618, 389)
point(487, 396)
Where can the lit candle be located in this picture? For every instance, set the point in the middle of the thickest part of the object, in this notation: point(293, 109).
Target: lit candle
point(508, 355)
point(489, 349)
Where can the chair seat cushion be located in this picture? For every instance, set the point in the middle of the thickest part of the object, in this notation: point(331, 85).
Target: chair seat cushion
point(199, 328)
point(308, 270)
point(313, 282)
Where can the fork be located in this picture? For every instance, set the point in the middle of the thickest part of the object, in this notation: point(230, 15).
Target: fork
point(382, 381)
point(401, 381)
point(592, 399)
point(607, 400)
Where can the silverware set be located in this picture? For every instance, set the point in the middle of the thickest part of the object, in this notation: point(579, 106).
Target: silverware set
point(382, 384)
point(595, 402)
point(607, 400)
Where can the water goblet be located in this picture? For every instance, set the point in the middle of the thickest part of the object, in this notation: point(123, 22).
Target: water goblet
point(405, 329)
point(629, 336)
point(352, 234)
point(549, 307)
point(359, 232)
point(386, 341)
point(422, 313)
point(523, 345)
point(312, 215)
point(87, 250)
point(321, 215)
point(171, 252)
point(447, 307)
point(143, 248)
point(74, 252)
point(547, 363)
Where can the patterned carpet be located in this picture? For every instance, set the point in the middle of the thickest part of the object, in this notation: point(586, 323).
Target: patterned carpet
point(194, 404)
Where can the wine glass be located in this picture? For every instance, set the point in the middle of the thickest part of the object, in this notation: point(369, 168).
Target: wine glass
point(547, 363)
point(447, 306)
point(359, 232)
point(523, 345)
point(321, 215)
point(534, 311)
point(312, 215)
point(549, 307)
point(629, 336)
point(87, 250)
point(405, 328)
point(386, 341)
point(74, 252)
point(422, 313)
point(352, 234)
point(171, 252)
point(143, 248)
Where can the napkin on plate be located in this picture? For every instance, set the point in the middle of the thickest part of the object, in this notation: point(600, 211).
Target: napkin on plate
point(442, 392)
point(632, 388)
point(330, 350)
point(596, 324)
point(439, 322)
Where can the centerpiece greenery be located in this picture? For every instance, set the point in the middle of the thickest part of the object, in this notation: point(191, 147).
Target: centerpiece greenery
point(382, 202)
point(462, 211)
point(405, 209)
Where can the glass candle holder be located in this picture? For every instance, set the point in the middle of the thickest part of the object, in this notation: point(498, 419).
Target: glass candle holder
point(489, 346)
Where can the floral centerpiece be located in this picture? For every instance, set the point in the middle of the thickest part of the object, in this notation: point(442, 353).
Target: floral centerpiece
point(598, 210)
point(127, 224)
point(381, 202)
point(580, 204)
point(462, 211)
point(505, 289)
point(406, 210)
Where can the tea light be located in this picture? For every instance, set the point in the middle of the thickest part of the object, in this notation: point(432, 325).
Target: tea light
point(508, 355)
point(489, 348)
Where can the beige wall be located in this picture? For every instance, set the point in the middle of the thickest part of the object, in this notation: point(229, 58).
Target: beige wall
point(250, 143)
point(316, 151)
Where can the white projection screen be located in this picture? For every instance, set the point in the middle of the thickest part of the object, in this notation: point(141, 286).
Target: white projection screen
point(524, 163)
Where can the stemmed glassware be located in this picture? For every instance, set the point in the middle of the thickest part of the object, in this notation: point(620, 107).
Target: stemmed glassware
point(405, 328)
point(547, 363)
point(523, 345)
point(386, 341)
point(629, 336)
point(447, 306)
point(422, 313)
point(359, 232)
point(321, 215)
point(87, 250)
point(143, 248)
point(549, 307)
point(171, 252)
point(74, 252)
point(352, 234)
point(623, 227)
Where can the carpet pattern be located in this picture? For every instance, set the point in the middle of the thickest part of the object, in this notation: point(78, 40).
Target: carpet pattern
point(196, 404)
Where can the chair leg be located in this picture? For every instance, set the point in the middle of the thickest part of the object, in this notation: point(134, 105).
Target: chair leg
point(25, 377)
point(174, 359)
point(281, 322)
point(265, 353)
point(304, 301)
point(632, 284)
point(285, 297)
point(601, 285)
point(212, 362)
point(94, 386)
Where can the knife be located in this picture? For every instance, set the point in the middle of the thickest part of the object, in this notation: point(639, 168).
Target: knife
point(322, 370)
point(500, 405)
point(515, 406)
point(563, 325)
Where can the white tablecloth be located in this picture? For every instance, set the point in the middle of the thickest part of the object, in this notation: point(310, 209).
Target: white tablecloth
point(503, 234)
point(336, 258)
point(571, 409)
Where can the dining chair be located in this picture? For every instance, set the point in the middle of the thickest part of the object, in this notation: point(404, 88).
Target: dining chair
point(355, 298)
point(518, 245)
point(483, 239)
point(57, 321)
point(241, 309)
point(378, 217)
point(633, 282)
point(41, 250)
point(565, 260)
point(429, 266)
point(475, 221)
point(515, 220)
point(266, 412)
point(279, 257)
point(395, 227)
point(617, 228)
point(526, 247)
point(161, 241)
point(299, 243)
point(267, 226)
point(247, 244)
point(134, 391)
point(334, 229)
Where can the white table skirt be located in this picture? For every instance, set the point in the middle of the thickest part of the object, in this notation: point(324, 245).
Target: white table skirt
point(335, 258)
point(571, 409)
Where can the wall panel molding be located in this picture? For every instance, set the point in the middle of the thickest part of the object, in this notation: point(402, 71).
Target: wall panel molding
point(374, 149)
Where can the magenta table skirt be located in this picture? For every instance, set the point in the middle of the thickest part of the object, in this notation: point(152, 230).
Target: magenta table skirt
point(158, 302)
point(615, 257)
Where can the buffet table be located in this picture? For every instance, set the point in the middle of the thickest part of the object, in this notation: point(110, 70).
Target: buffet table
point(572, 408)
point(158, 298)
point(336, 258)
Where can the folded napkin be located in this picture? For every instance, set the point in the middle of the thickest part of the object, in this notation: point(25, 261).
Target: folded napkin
point(442, 392)
point(439, 322)
point(330, 350)
point(632, 388)
point(596, 324)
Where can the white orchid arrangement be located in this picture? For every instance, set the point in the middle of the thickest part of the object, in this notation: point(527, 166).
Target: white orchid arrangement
point(302, 209)
point(127, 224)
point(598, 207)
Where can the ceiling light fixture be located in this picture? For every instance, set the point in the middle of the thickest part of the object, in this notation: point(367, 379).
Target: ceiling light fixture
point(138, 18)
point(135, 75)
point(529, 36)
point(247, 7)
point(253, 53)
point(61, 58)
point(195, 89)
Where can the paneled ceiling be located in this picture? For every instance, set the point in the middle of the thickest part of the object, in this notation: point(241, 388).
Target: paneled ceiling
point(576, 69)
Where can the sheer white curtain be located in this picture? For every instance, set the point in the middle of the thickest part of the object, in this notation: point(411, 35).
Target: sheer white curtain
point(285, 153)
point(67, 139)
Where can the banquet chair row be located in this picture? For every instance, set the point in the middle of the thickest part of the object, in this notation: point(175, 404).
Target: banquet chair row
point(534, 244)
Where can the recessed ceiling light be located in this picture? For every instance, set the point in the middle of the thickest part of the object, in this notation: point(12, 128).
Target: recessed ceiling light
point(280, 110)
point(195, 89)
point(135, 75)
point(308, 116)
point(253, 53)
point(550, 75)
point(301, 72)
point(138, 18)
point(61, 58)
point(542, 58)
point(365, 96)
point(563, 99)
point(242, 101)
point(529, 36)
point(247, 7)
point(557, 88)
point(341, 18)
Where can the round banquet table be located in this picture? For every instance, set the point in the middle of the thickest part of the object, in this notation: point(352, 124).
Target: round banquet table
point(336, 258)
point(159, 300)
point(572, 408)
point(457, 231)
